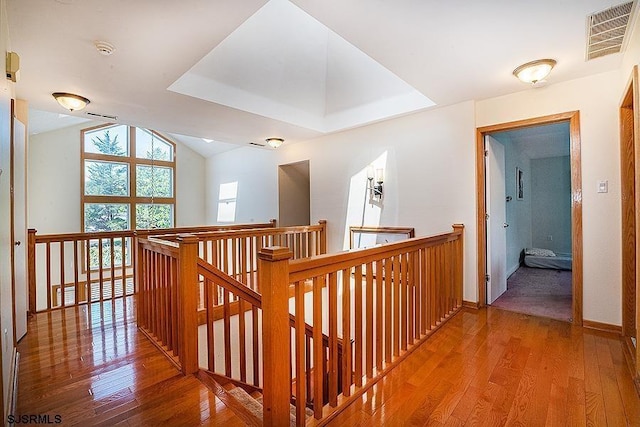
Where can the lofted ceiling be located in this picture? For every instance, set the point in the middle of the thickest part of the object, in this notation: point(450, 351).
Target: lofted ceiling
point(238, 72)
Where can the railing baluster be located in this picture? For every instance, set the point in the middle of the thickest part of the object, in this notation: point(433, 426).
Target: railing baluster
point(346, 332)
point(369, 320)
point(242, 342)
point(379, 315)
point(404, 304)
point(388, 309)
point(333, 338)
point(300, 353)
point(48, 263)
point(62, 281)
point(318, 349)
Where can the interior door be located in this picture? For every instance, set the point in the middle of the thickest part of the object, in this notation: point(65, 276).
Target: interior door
point(496, 222)
point(19, 214)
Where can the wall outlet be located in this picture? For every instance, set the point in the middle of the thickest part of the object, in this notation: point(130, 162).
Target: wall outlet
point(550, 237)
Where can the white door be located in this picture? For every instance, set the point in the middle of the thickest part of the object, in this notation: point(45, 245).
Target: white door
point(20, 227)
point(496, 223)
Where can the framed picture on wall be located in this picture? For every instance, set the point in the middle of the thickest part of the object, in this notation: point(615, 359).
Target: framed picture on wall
point(519, 184)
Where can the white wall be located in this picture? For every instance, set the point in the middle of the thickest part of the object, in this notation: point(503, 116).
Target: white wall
point(429, 162)
point(518, 211)
point(190, 188)
point(551, 202)
point(54, 182)
point(596, 97)
point(256, 172)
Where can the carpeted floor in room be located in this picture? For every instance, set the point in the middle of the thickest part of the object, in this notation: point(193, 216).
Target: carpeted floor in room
point(539, 292)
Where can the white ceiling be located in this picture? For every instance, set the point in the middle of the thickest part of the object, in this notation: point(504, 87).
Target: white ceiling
point(448, 51)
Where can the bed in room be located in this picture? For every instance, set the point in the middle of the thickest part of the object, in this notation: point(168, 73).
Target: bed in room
point(545, 258)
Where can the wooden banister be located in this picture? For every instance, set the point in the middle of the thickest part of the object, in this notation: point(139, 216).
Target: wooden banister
point(273, 268)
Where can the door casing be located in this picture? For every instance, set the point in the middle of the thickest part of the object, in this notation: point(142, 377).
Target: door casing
point(573, 117)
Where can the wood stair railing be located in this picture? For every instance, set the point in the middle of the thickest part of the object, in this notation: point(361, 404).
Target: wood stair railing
point(252, 300)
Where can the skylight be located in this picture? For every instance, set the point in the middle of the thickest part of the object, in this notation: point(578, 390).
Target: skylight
point(283, 64)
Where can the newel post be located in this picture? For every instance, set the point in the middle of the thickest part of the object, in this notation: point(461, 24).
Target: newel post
point(188, 302)
point(31, 268)
point(273, 276)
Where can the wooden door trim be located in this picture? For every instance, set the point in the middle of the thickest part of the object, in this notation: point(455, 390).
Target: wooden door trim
point(573, 118)
point(630, 205)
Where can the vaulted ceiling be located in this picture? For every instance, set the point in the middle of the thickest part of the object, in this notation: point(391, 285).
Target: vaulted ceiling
point(238, 72)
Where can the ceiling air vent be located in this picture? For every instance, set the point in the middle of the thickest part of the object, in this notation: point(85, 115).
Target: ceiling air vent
point(102, 116)
point(607, 30)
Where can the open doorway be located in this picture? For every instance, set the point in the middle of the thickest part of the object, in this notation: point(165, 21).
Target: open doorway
point(517, 185)
point(294, 198)
point(529, 227)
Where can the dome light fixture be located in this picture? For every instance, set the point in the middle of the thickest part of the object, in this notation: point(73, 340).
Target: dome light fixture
point(274, 142)
point(71, 101)
point(534, 71)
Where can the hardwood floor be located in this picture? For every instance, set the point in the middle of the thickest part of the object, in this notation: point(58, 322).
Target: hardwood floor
point(93, 367)
point(494, 367)
point(487, 367)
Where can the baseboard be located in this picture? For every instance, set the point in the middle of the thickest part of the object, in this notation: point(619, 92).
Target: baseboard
point(606, 327)
point(471, 305)
point(13, 384)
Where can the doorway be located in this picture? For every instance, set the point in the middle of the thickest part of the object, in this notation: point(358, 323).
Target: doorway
point(482, 177)
point(294, 195)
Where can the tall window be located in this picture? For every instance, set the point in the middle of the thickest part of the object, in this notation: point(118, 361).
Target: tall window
point(128, 179)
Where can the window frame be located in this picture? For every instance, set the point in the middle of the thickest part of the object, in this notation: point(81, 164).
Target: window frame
point(132, 199)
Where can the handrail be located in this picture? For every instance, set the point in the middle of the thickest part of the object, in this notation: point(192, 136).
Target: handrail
point(305, 268)
point(222, 234)
point(213, 273)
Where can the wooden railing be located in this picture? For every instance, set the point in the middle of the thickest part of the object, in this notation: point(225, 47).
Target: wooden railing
point(235, 252)
point(75, 268)
point(383, 301)
point(386, 299)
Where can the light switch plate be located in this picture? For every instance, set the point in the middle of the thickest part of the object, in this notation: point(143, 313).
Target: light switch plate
point(603, 186)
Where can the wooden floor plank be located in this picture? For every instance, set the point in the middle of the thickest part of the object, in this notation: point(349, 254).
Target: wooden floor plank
point(493, 367)
point(91, 366)
point(483, 367)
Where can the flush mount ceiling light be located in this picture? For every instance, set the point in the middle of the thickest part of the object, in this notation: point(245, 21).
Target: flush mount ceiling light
point(534, 71)
point(274, 142)
point(70, 101)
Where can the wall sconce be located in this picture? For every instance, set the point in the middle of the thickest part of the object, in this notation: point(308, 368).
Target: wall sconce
point(375, 189)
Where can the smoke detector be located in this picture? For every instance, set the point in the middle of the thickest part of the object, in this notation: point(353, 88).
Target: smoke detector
point(104, 48)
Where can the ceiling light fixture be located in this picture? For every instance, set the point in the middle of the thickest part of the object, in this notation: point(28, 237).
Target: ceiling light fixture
point(70, 101)
point(207, 140)
point(534, 71)
point(274, 142)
